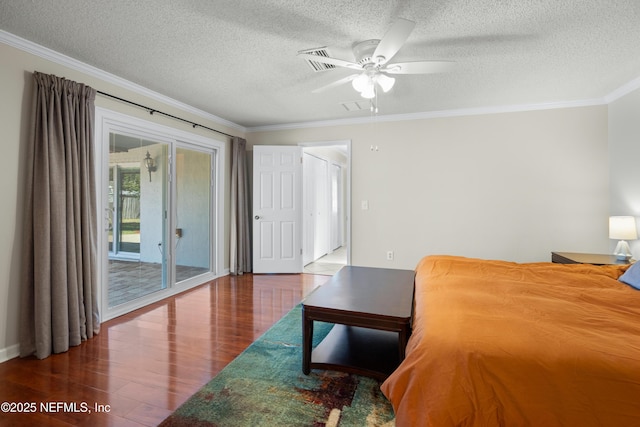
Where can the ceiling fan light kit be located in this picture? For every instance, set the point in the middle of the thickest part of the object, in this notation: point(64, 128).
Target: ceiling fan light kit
point(361, 82)
point(372, 61)
point(385, 82)
point(365, 83)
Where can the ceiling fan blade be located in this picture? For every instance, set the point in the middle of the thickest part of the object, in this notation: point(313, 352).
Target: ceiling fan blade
point(336, 83)
point(393, 40)
point(328, 60)
point(419, 67)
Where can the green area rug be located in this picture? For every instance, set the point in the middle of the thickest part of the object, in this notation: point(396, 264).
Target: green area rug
point(265, 386)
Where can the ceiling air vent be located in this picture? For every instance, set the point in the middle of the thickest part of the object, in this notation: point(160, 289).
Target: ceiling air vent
point(318, 66)
point(356, 105)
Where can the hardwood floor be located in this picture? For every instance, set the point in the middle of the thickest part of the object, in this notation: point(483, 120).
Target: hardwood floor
point(145, 364)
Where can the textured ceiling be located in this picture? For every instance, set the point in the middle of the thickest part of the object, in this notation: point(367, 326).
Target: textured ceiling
point(237, 59)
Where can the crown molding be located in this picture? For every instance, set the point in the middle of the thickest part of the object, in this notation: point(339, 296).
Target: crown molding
point(58, 58)
point(605, 100)
point(432, 115)
point(623, 90)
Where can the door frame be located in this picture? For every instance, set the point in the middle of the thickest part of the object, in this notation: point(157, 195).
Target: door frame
point(107, 120)
point(347, 185)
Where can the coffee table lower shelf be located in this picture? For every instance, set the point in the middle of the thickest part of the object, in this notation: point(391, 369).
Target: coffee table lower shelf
point(363, 351)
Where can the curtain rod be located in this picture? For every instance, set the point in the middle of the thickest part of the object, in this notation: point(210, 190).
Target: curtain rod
point(153, 110)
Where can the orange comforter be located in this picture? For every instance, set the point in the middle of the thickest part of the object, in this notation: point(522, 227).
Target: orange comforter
point(503, 344)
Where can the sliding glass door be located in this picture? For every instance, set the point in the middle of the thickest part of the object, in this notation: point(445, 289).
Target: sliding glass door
point(137, 231)
point(160, 195)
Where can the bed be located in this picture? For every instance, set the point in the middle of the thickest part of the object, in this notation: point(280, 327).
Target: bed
point(496, 343)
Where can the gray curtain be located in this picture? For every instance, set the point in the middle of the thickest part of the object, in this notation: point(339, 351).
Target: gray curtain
point(240, 257)
point(59, 300)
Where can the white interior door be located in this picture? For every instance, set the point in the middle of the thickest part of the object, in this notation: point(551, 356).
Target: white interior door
point(277, 209)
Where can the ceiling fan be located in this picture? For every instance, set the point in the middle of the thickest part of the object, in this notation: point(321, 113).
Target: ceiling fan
point(372, 62)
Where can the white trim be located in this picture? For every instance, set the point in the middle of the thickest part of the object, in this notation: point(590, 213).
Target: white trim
point(432, 115)
point(74, 64)
point(623, 90)
point(9, 353)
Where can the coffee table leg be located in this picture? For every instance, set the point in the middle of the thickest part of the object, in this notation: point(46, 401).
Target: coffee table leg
point(403, 337)
point(307, 338)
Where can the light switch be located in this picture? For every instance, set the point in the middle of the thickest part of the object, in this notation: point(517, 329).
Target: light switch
point(365, 205)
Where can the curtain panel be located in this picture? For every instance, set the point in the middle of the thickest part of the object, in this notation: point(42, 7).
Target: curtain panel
point(59, 299)
point(240, 244)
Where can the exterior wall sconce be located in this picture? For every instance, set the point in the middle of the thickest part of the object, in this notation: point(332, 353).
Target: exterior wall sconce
point(150, 164)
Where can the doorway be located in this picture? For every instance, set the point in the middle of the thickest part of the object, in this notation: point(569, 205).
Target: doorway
point(326, 178)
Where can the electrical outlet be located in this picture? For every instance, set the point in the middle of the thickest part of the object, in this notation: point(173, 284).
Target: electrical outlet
point(389, 255)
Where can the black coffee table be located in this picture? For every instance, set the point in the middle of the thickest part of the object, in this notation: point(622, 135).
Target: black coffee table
point(371, 309)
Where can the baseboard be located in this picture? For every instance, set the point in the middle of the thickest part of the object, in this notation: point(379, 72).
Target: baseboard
point(9, 353)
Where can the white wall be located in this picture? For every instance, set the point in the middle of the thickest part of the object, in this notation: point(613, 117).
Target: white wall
point(153, 205)
point(512, 186)
point(624, 160)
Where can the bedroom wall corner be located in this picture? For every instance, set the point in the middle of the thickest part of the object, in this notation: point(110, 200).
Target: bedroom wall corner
point(14, 110)
point(624, 152)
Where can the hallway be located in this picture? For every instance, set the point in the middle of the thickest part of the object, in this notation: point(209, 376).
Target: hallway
point(328, 264)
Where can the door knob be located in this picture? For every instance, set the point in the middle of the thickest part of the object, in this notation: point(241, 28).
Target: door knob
point(257, 217)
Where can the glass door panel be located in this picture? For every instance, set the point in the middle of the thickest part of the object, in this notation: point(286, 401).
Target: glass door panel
point(193, 213)
point(137, 234)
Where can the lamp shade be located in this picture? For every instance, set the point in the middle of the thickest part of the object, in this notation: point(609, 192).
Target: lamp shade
point(622, 228)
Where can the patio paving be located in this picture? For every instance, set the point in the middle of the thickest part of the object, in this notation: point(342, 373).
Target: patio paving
point(129, 280)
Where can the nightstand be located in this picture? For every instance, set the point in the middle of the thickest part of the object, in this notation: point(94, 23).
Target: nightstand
point(579, 258)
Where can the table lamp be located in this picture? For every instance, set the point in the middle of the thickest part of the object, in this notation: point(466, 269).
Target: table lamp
point(622, 228)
